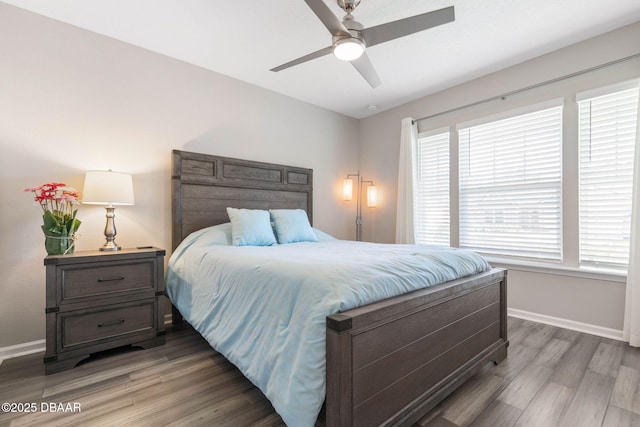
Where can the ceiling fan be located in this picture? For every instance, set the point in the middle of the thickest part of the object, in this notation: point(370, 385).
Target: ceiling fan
point(350, 39)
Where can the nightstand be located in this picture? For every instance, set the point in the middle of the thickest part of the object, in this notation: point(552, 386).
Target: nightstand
point(101, 300)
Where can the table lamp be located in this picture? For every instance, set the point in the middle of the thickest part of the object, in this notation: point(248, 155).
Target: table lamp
point(108, 188)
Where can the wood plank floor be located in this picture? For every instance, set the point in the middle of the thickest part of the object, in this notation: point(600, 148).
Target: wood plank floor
point(552, 377)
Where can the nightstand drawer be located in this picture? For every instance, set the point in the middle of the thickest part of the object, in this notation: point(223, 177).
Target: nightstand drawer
point(106, 323)
point(103, 280)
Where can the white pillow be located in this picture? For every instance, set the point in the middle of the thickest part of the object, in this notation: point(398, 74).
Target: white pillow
point(251, 227)
point(292, 225)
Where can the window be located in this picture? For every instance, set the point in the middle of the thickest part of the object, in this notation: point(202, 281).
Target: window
point(607, 137)
point(432, 208)
point(511, 185)
point(512, 195)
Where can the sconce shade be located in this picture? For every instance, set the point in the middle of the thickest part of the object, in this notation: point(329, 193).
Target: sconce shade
point(107, 188)
point(372, 196)
point(347, 189)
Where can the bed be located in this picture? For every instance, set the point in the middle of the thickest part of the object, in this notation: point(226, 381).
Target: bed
point(384, 362)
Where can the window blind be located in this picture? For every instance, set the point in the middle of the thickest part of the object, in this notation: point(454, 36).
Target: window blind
point(432, 218)
point(607, 137)
point(511, 186)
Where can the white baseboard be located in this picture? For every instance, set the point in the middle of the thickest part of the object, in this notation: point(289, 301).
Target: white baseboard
point(567, 324)
point(22, 349)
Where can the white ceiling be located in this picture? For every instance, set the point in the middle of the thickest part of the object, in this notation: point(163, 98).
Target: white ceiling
point(245, 38)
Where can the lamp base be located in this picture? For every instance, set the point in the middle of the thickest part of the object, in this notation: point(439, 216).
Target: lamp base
point(110, 231)
point(106, 248)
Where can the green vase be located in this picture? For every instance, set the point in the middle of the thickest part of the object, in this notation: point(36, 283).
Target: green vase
point(56, 245)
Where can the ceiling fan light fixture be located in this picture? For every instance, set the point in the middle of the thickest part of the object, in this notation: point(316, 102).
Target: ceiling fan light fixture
point(348, 48)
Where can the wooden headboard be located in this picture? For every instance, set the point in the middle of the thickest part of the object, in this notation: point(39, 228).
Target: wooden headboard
point(203, 186)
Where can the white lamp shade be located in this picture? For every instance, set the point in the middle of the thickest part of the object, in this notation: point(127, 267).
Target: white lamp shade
point(347, 189)
point(372, 196)
point(107, 188)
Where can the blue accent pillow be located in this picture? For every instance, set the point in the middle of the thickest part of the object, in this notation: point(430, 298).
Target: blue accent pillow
point(251, 227)
point(292, 225)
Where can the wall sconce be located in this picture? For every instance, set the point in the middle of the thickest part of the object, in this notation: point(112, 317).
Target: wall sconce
point(347, 194)
point(108, 188)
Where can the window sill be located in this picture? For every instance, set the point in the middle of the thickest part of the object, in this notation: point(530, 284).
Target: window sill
point(558, 270)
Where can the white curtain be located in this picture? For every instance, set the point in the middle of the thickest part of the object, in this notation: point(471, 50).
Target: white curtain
point(406, 174)
point(631, 331)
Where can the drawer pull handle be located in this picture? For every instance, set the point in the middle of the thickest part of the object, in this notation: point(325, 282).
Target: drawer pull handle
point(111, 280)
point(117, 322)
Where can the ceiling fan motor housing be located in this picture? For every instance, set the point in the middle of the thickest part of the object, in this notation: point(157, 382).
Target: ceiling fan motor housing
point(354, 39)
point(351, 24)
point(354, 28)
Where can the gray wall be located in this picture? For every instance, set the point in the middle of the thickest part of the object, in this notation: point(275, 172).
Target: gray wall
point(72, 100)
point(586, 299)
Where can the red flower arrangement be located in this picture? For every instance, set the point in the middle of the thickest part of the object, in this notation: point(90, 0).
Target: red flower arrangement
point(59, 216)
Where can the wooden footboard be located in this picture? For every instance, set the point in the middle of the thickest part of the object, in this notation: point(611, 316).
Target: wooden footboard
point(390, 362)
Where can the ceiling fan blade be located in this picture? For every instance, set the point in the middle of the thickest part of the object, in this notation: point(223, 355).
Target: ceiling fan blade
point(324, 14)
point(403, 27)
point(366, 70)
point(317, 54)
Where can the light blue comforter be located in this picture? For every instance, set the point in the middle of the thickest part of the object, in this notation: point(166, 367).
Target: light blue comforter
point(264, 308)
